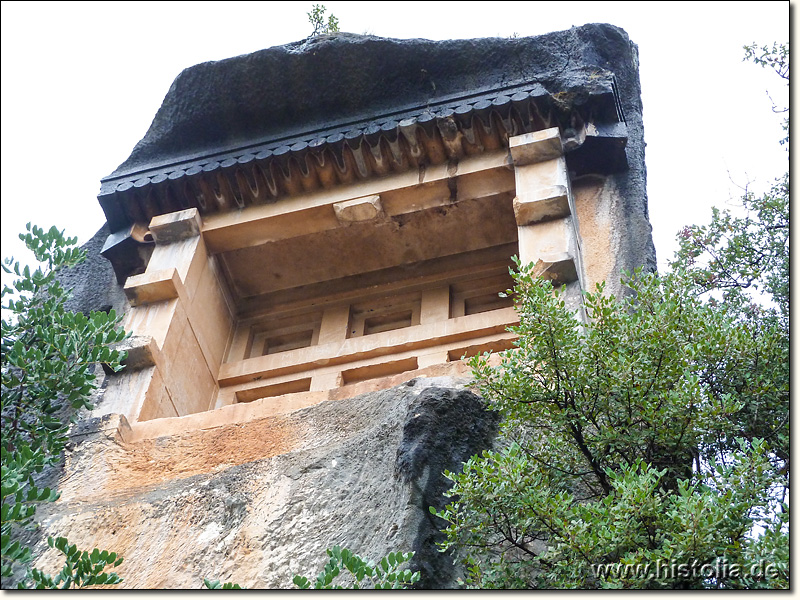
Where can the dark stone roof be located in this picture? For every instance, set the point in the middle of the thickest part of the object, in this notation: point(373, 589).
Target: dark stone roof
point(333, 109)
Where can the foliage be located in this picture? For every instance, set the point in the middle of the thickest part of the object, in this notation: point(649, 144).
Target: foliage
point(385, 574)
point(743, 259)
point(48, 358)
point(647, 447)
point(81, 569)
point(776, 58)
point(322, 26)
point(737, 254)
point(214, 584)
point(625, 443)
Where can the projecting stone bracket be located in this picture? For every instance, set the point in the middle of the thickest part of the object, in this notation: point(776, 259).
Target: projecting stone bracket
point(128, 251)
point(152, 286)
point(142, 351)
point(597, 148)
point(558, 268)
point(535, 147)
point(176, 226)
point(359, 210)
point(543, 206)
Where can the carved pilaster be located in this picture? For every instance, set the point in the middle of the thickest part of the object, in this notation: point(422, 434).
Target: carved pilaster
point(544, 207)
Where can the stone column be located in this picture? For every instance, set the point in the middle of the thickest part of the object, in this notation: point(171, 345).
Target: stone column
point(180, 323)
point(544, 206)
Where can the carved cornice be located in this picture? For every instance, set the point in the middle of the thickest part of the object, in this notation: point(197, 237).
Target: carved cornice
point(450, 130)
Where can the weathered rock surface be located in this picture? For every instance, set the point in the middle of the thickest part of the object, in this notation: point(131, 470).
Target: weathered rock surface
point(92, 282)
point(257, 502)
point(346, 77)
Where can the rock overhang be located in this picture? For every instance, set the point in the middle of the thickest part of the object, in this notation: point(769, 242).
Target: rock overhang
point(342, 108)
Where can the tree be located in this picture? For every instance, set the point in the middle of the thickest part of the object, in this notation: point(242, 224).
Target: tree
point(48, 360)
point(743, 260)
point(322, 26)
point(647, 447)
point(740, 254)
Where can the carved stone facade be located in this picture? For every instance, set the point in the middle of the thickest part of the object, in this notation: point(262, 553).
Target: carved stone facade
point(333, 220)
point(317, 258)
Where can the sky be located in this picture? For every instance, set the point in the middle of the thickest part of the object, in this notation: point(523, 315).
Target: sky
point(82, 81)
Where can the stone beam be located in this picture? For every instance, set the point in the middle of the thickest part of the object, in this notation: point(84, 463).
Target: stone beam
point(329, 377)
point(379, 344)
point(314, 212)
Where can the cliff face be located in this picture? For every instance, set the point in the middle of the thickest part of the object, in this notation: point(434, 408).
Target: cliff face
point(92, 281)
point(258, 502)
point(255, 502)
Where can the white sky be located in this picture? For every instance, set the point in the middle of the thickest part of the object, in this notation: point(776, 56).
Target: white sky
point(81, 82)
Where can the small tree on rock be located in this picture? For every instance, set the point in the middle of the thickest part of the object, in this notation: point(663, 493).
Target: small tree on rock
point(321, 25)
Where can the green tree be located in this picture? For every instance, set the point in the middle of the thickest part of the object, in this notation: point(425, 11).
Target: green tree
point(736, 254)
point(647, 447)
point(48, 360)
point(321, 25)
point(742, 260)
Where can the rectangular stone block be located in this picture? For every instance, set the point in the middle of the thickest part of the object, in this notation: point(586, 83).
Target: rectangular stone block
point(358, 210)
point(175, 226)
point(537, 176)
point(547, 203)
point(552, 247)
point(142, 351)
point(536, 146)
point(152, 286)
point(560, 269)
point(548, 239)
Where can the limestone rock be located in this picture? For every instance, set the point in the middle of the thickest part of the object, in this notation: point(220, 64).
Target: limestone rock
point(258, 502)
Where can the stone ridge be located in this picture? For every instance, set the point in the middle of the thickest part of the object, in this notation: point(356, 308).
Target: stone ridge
point(312, 84)
point(599, 92)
